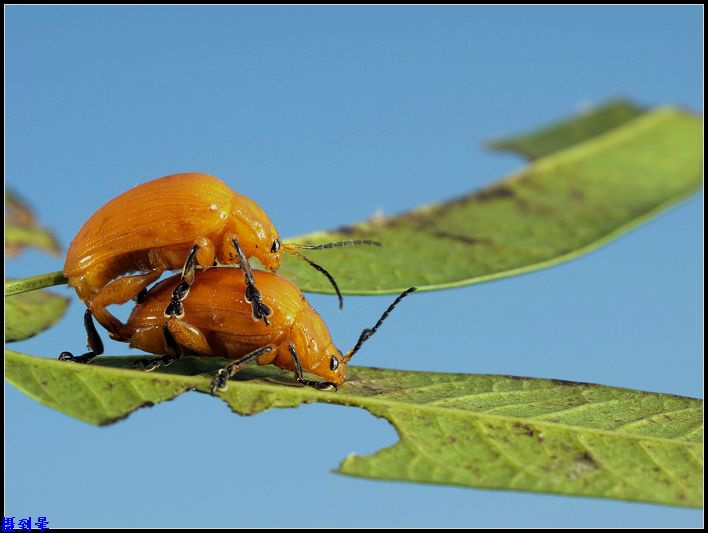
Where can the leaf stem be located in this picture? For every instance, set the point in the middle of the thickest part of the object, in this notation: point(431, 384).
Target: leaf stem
point(16, 286)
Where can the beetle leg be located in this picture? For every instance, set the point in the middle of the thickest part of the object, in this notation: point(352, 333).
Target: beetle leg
point(253, 295)
point(140, 298)
point(202, 255)
point(179, 336)
point(175, 309)
point(166, 360)
point(190, 265)
point(119, 291)
point(220, 382)
point(319, 385)
point(93, 341)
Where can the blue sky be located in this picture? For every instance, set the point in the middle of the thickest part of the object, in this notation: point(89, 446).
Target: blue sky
point(324, 115)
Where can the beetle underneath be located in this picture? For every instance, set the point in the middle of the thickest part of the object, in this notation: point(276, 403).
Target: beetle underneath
point(217, 323)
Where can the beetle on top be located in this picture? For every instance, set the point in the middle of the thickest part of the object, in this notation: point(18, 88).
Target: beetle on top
point(185, 221)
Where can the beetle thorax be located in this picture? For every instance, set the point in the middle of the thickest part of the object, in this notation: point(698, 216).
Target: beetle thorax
point(256, 232)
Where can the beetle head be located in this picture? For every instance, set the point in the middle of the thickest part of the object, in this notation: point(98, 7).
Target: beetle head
point(318, 354)
point(274, 257)
point(333, 368)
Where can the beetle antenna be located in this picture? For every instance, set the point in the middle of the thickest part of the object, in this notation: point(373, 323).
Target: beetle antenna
point(340, 244)
point(319, 269)
point(367, 333)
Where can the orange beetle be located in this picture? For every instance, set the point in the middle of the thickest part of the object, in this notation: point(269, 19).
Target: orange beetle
point(184, 221)
point(217, 323)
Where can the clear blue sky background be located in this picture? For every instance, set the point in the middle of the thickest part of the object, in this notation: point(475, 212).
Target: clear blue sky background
point(324, 115)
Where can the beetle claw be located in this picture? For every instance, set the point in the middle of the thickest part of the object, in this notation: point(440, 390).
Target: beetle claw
point(326, 385)
point(175, 309)
point(220, 382)
point(148, 365)
point(83, 359)
point(260, 310)
point(319, 385)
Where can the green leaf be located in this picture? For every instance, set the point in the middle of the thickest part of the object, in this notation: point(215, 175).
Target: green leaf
point(486, 431)
point(21, 229)
point(30, 313)
point(612, 169)
point(567, 133)
point(558, 208)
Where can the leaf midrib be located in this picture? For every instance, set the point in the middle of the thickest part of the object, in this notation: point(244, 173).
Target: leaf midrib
point(309, 396)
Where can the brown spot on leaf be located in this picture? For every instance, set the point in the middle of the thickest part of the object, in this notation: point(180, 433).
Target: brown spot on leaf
point(587, 459)
point(472, 468)
point(497, 191)
point(525, 429)
point(566, 383)
point(465, 239)
point(576, 194)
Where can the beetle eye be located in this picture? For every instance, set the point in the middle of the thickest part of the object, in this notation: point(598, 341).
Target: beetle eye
point(333, 363)
point(276, 246)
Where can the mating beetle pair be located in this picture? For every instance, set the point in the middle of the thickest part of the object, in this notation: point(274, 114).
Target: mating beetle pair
point(194, 222)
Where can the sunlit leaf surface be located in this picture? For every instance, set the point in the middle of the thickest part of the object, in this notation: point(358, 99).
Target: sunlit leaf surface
point(488, 431)
point(559, 207)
